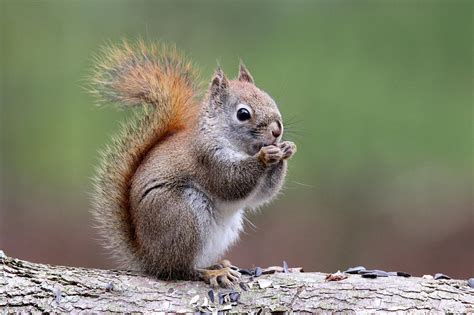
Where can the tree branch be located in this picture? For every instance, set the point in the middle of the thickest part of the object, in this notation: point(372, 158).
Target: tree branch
point(26, 286)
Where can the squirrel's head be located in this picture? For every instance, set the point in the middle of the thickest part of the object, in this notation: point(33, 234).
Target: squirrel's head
point(251, 117)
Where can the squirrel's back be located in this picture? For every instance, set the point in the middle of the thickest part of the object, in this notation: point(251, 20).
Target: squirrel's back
point(166, 85)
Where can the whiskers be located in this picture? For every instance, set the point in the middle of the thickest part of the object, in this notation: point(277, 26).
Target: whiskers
point(249, 224)
point(293, 128)
point(302, 184)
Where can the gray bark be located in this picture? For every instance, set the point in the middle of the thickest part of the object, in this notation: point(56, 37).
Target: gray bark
point(26, 286)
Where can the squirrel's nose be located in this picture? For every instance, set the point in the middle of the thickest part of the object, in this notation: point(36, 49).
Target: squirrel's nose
point(276, 129)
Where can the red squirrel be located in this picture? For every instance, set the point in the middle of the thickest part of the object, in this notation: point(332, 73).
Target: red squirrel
point(172, 188)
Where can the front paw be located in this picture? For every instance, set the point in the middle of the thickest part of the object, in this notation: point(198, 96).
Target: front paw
point(270, 155)
point(288, 148)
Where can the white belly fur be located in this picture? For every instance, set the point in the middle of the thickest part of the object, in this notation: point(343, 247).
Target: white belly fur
point(225, 229)
point(222, 234)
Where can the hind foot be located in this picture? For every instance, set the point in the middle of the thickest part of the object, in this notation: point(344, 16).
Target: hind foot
point(222, 274)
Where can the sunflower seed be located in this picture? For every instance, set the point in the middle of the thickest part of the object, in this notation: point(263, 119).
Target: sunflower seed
point(258, 272)
point(245, 272)
point(440, 276)
point(271, 270)
point(470, 282)
point(364, 271)
point(211, 295)
point(403, 274)
point(355, 270)
point(234, 296)
point(379, 273)
point(221, 298)
point(285, 267)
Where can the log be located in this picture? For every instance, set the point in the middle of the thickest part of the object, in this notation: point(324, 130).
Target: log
point(32, 287)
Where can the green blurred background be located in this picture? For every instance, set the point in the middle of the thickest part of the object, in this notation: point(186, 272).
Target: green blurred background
point(378, 94)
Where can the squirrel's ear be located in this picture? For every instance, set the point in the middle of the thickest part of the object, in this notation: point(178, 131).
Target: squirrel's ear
point(219, 85)
point(244, 74)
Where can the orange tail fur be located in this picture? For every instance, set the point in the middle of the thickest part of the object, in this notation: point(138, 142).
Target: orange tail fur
point(166, 85)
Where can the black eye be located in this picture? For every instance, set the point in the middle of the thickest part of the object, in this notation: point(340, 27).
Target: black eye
point(243, 114)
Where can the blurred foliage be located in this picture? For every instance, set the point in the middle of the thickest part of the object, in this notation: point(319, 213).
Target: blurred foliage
point(377, 94)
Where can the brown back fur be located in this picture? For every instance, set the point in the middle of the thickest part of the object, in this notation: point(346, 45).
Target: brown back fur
point(166, 85)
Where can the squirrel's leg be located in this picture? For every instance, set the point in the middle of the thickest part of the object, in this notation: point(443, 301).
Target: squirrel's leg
point(172, 222)
point(168, 232)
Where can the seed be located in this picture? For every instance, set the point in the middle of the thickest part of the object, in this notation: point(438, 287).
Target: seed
point(363, 272)
point(258, 272)
point(245, 272)
point(470, 282)
point(373, 273)
point(440, 276)
point(381, 273)
point(403, 274)
point(211, 295)
point(221, 298)
point(271, 270)
point(234, 296)
point(355, 270)
point(285, 267)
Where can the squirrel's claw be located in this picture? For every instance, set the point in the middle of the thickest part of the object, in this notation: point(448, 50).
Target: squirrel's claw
point(275, 153)
point(288, 148)
point(224, 277)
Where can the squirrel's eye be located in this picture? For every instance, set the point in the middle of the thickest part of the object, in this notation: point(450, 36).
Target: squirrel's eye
point(243, 114)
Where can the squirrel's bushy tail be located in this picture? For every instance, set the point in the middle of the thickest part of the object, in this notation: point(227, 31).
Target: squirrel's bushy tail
point(166, 85)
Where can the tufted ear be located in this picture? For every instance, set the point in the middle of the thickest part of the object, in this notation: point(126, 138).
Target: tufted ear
point(244, 74)
point(219, 86)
